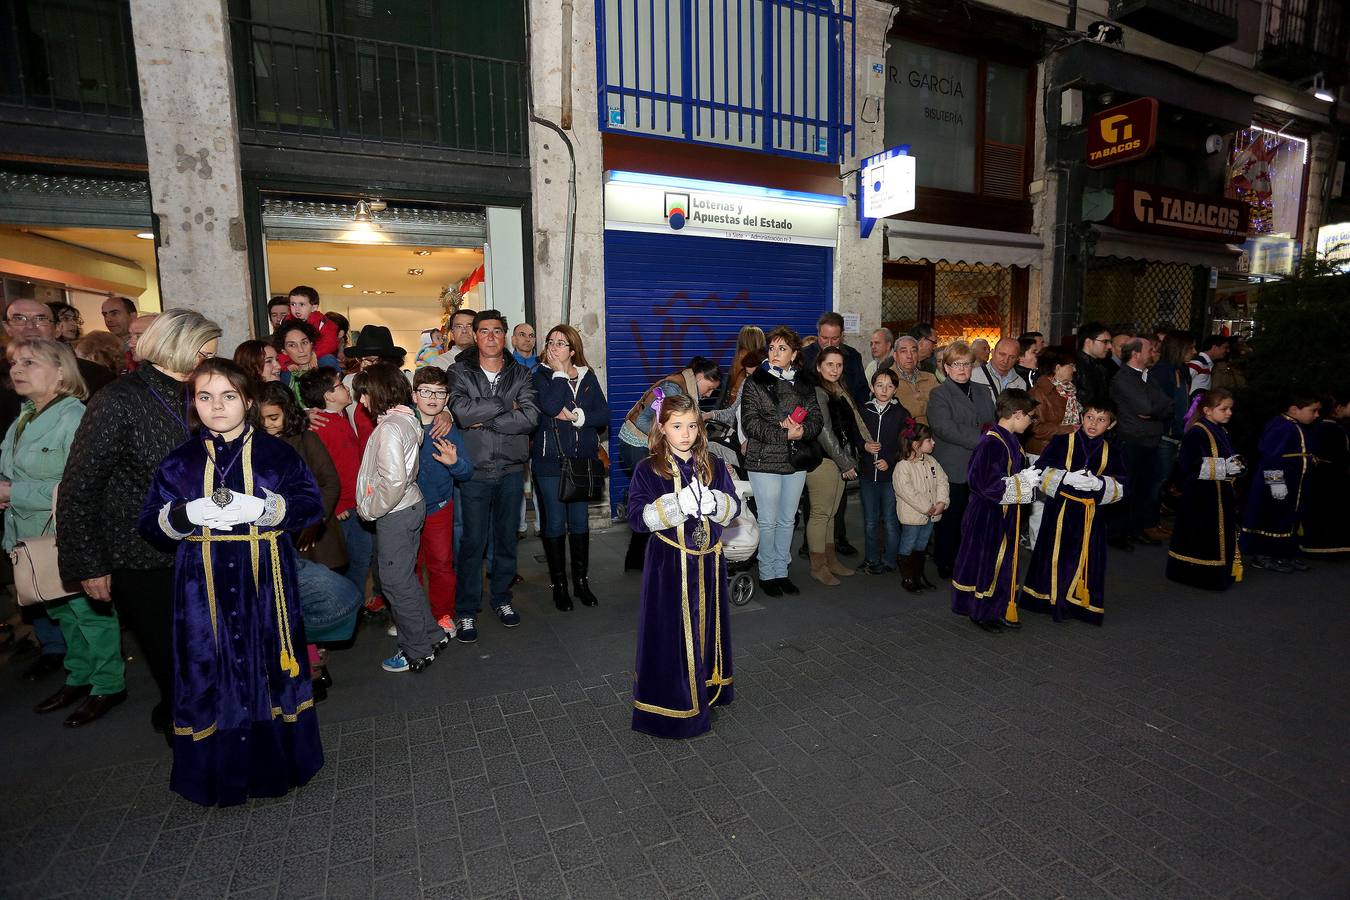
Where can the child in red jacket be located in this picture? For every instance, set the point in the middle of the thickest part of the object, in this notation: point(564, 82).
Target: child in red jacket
point(304, 301)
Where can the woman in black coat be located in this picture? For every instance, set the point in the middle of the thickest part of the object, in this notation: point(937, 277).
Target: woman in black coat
point(573, 411)
point(127, 430)
point(780, 417)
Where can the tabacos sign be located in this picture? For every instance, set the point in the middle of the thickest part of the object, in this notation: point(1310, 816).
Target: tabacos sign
point(1161, 210)
point(1122, 133)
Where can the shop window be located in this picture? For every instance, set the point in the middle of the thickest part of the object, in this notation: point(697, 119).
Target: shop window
point(965, 119)
point(1266, 171)
point(1143, 293)
point(964, 301)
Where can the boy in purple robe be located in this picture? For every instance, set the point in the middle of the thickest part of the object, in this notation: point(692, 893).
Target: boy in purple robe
point(683, 498)
point(1080, 472)
point(984, 580)
point(1272, 518)
point(243, 707)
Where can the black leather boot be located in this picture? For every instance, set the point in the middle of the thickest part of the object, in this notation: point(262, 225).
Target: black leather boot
point(907, 578)
point(920, 560)
point(555, 551)
point(580, 545)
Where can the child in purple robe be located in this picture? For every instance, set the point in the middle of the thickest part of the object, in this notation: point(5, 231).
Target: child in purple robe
point(683, 498)
point(984, 580)
point(1204, 549)
point(243, 709)
point(1273, 516)
point(1326, 528)
point(1080, 472)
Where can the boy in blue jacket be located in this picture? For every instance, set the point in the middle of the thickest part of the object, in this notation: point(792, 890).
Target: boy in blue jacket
point(443, 461)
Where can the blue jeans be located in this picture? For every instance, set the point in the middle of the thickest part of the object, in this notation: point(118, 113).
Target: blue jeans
point(776, 498)
point(559, 518)
point(489, 507)
point(360, 539)
point(881, 528)
point(325, 596)
point(914, 538)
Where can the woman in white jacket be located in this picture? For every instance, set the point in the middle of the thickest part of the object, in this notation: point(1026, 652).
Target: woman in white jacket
point(921, 494)
point(387, 494)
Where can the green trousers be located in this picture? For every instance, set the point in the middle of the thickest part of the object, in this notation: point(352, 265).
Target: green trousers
point(93, 645)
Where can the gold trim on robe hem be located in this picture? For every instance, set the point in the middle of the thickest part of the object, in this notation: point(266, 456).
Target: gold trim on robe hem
point(277, 713)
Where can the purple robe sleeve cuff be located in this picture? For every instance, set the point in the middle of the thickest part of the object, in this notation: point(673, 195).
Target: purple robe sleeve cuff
point(725, 510)
point(171, 521)
point(1015, 491)
point(662, 513)
point(1051, 479)
point(1112, 492)
point(1213, 468)
point(274, 509)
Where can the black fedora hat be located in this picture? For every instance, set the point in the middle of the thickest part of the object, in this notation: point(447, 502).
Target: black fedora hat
point(375, 340)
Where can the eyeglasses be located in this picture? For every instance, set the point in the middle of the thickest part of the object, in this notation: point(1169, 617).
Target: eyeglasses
point(203, 355)
point(20, 319)
point(959, 365)
point(566, 345)
point(71, 317)
point(429, 394)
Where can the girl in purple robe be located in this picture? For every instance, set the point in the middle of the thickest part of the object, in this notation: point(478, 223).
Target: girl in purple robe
point(984, 581)
point(1204, 548)
point(243, 710)
point(1274, 509)
point(684, 499)
point(1080, 472)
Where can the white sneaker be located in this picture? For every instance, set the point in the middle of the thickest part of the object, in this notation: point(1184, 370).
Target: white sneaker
point(447, 625)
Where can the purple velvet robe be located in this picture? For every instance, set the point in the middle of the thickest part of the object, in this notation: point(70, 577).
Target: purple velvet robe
point(243, 708)
point(684, 633)
point(1067, 577)
point(1326, 525)
point(1269, 526)
point(984, 580)
point(1203, 551)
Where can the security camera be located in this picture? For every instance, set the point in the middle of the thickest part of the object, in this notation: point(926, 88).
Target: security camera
point(1106, 33)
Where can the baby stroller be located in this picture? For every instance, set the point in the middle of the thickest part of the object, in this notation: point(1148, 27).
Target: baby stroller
point(740, 539)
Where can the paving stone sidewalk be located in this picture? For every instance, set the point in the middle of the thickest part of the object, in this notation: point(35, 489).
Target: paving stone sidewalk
point(1197, 752)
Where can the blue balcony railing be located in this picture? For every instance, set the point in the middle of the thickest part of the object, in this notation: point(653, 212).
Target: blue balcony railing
point(774, 76)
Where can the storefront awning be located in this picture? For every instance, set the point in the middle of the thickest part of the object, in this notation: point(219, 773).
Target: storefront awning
point(953, 244)
point(1161, 249)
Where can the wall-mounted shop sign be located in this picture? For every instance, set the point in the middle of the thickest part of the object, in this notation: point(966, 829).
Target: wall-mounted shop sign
point(1122, 133)
point(1162, 210)
point(1269, 255)
point(636, 201)
point(1333, 244)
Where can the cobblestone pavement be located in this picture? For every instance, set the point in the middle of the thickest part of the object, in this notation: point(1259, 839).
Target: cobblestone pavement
point(1195, 746)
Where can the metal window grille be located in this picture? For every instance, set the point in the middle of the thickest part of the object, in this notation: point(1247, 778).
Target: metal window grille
point(769, 75)
point(69, 63)
point(1142, 294)
point(345, 91)
point(899, 303)
point(971, 301)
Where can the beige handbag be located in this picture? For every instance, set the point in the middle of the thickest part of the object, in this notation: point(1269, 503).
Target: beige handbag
point(37, 577)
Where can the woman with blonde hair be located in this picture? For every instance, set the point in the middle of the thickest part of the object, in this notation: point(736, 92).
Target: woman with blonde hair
point(130, 426)
point(959, 412)
point(32, 456)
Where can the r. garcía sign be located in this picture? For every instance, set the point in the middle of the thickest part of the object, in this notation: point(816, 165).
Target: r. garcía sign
point(1122, 133)
point(1161, 210)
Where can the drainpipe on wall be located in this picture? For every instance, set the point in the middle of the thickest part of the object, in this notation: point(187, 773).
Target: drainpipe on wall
point(569, 237)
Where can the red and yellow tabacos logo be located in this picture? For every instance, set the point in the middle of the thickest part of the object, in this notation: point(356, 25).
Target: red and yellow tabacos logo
point(1122, 133)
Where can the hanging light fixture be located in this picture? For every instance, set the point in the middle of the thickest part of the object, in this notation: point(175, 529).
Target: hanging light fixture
point(1320, 90)
point(362, 212)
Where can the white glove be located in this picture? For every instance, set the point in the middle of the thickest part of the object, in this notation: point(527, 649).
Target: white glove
point(249, 508)
point(1031, 478)
point(199, 511)
point(1234, 465)
point(707, 502)
point(1279, 491)
point(687, 500)
point(1094, 483)
point(1079, 481)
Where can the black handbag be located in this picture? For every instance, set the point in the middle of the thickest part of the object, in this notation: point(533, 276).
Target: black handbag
point(581, 480)
point(805, 455)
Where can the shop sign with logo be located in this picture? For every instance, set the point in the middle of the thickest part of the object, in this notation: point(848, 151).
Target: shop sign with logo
point(1268, 255)
point(1122, 133)
point(748, 213)
point(1333, 243)
point(1161, 210)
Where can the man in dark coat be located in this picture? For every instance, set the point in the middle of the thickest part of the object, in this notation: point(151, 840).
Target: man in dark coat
point(1091, 376)
point(830, 333)
point(1145, 415)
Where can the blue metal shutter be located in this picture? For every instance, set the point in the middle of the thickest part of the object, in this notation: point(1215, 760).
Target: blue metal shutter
point(669, 298)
